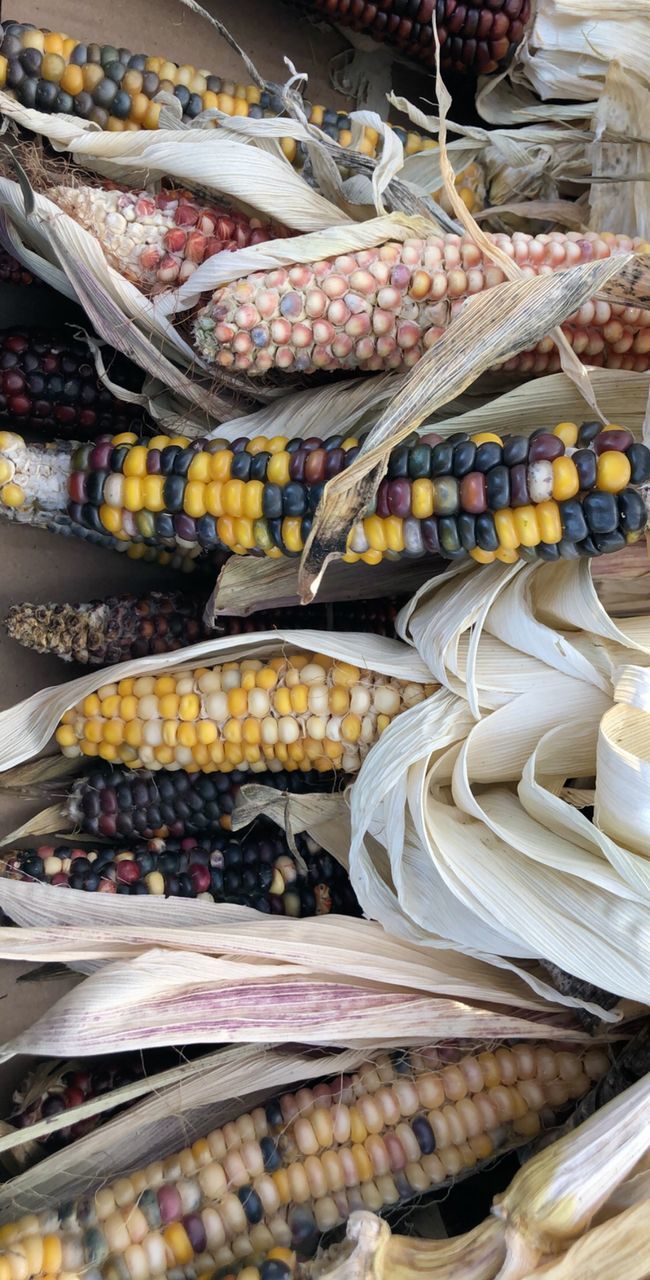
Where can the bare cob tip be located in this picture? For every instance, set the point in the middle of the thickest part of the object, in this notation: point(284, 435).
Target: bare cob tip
point(33, 478)
point(61, 629)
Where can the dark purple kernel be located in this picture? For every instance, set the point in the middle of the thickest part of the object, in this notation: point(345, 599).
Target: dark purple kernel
point(519, 495)
point(545, 447)
point(399, 497)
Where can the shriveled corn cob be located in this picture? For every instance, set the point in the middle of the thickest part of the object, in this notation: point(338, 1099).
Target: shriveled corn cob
point(115, 803)
point(49, 383)
point(115, 89)
point(254, 868)
point(104, 631)
point(266, 1186)
point(12, 271)
point(159, 239)
point(566, 492)
point(297, 711)
point(479, 38)
point(382, 308)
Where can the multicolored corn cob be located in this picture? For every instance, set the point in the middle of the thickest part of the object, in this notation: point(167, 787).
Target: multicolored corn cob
point(260, 1191)
point(298, 711)
point(50, 384)
point(12, 271)
point(115, 803)
point(68, 1085)
point(255, 869)
point(157, 240)
point(382, 308)
point(101, 632)
point(479, 38)
point(566, 492)
point(52, 72)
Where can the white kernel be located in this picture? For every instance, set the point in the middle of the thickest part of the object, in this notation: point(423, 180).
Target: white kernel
point(108, 690)
point(316, 728)
point(152, 733)
point(148, 707)
point(231, 679)
point(147, 756)
point(185, 685)
point(259, 703)
point(333, 732)
point(216, 707)
point(386, 700)
point(183, 756)
point(288, 729)
point(269, 731)
point(209, 682)
point(359, 699)
point(312, 673)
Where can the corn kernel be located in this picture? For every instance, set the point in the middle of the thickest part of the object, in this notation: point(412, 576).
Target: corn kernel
point(506, 529)
point(485, 437)
point(550, 524)
point(66, 736)
point(114, 732)
point(566, 481)
point(567, 432)
point(194, 499)
point(614, 471)
point(12, 495)
point(190, 707)
point(527, 525)
point(483, 557)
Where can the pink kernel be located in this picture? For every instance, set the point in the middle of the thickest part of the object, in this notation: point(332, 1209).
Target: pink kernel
point(175, 239)
point(206, 224)
point(366, 257)
point(358, 326)
point(150, 258)
point(452, 257)
point(602, 311)
point(400, 277)
point(195, 247)
point(432, 336)
point(276, 279)
point(471, 254)
point(316, 304)
point(390, 252)
point(247, 317)
point(623, 344)
point(267, 303)
point(573, 254)
point(346, 264)
point(263, 361)
point(362, 282)
point(642, 342)
point(321, 358)
point(186, 215)
point(145, 206)
point(557, 254)
point(335, 286)
point(337, 312)
point(302, 335)
point(342, 346)
point(536, 252)
point(457, 283)
point(420, 285)
point(355, 304)
point(385, 346)
point(408, 335)
point(299, 277)
point(187, 269)
point(493, 277)
point(475, 280)
point(168, 269)
point(389, 299)
point(365, 349)
point(224, 333)
point(439, 285)
point(410, 358)
point(284, 357)
point(383, 321)
point(280, 332)
point(242, 343)
point(380, 273)
point(324, 332)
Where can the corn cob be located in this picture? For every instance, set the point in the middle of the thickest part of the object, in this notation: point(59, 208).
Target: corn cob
point(479, 39)
point(293, 712)
point(114, 803)
point(69, 1085)
point(158, 240)
point(101, 632)
point(115, 89)
point(382, 308)
point(262, 1189)
point(567, 492)
point(50, 384)
point(12, 271)
point(254, 869)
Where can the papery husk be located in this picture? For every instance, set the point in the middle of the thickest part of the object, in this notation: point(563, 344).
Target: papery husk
point(620, 153)
point(490, 328)
point(623, 763)
point(371, 1252)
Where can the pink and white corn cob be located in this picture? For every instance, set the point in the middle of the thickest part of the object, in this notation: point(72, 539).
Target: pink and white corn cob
point(158, 240)
point(382, 308)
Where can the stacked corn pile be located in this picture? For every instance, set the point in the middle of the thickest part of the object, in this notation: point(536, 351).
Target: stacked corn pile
point(478, 38)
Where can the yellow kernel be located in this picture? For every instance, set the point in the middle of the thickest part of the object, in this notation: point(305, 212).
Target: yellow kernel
point(226, 530)
point(233, 497)
point(373, 528)
point(233, 753)
point(567, 432)
point(135, 462)
point(194, 503)
point(114, 732)
point(267, 678)
point(317, 115)
point(165, 684)
point(213, 498)
point(250, 730)
point(187, 735)
point(88, 748)
point(132, 493)
point(52, 1255)
point(207, 732)
point(344, 673)
point(170, 732)
point(139, 108)
point(169, 705)
point(566, 481)
point(527, 525)
point(115, 125)
point(152, 115)
point(111, 705)
point(338, 701)
point(94, 730)
point(282, 701)
point(550, 524)
point(237, 702)
point(72, 80)
point(371, 557)
point(483, 437)
point(91, 705)
point(277, 471)
point(253, 495)
point(289, 148)
point(4, 67)
point(506, 555)
point(220, 464)
point(394, 533)
point(66, 736)
point(111, 518)
point(506, 529)
point(12, 495)
point(107, 752)
point(153, 493)
point(422, 498)
point(164, 755)
point(189, 707)
point(133, 733)
point(128, 707)
point(351, 728)
point(613, 471)
point(292, 533)
point(199, 468)
point(153, 63)
point(69, 45)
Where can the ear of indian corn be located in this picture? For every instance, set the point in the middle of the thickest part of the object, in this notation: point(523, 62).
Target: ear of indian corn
point(297, 711)
point(159, 239)
point(573, 490)
point(49, 383)
point(101, 632)
point(253, 868)
point(69, 1085)
point(277, 1178)
point(380, 309)
point(115, 803)
point(116, 89)
point(478, 38)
